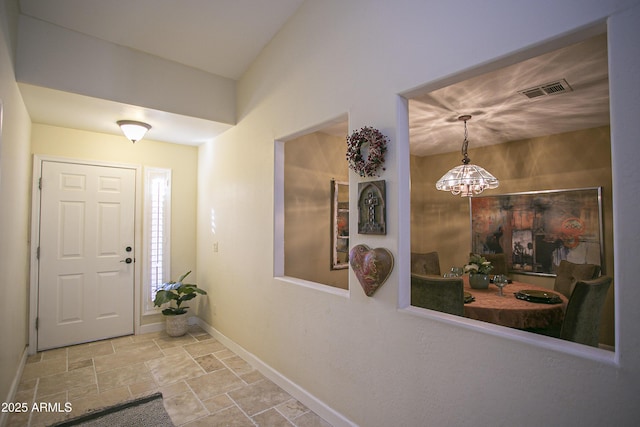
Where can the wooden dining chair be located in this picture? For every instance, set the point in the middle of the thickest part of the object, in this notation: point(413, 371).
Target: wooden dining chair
point(425, 264)
point(582, 319)
point(436, 293)
point(569, 273)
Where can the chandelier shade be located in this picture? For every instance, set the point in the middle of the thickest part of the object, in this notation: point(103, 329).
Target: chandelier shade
point(133, 130)
point(466, 180)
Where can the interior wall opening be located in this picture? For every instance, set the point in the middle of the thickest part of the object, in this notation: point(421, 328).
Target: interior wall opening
point(315, 205)
point(533, 142)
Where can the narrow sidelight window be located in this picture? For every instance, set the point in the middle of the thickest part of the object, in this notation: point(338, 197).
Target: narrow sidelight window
point(157, 232)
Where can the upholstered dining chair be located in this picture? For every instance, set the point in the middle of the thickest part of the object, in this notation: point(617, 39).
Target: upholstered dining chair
point(437, 293)
point(425, 264)
point(569, 273)
point(582, 319)
point(499, 262)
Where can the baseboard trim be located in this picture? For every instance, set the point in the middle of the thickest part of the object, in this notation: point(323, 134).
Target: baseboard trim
point(4, 416)
point(151, 327)
point(303, 396)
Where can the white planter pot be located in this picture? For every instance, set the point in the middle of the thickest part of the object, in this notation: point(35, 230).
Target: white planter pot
point(176, 326)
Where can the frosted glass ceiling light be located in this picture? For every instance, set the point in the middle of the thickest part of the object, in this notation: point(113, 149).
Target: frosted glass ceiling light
point(466, 179)
point(133, 130)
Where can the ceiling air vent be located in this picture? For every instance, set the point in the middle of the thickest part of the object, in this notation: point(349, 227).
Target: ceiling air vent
point(552, 88)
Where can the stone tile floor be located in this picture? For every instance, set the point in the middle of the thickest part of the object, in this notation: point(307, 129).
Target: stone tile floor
point(203, 383)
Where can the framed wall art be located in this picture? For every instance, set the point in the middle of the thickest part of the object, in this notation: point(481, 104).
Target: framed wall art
point(372, 200)
point(536, 230)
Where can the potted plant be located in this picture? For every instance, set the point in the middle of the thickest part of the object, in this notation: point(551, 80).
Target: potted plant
point(478, 269)
point(176, 319)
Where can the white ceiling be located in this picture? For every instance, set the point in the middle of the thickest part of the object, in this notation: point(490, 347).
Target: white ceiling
point(223, 37)
point(500, 113)
point(70, 110)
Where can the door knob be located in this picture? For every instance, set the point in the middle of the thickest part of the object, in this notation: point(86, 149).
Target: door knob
point(127, 260)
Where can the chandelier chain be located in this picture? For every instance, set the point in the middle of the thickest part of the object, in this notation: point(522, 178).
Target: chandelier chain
point(465, 145)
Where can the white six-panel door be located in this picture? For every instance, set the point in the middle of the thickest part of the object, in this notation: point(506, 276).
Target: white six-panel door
point(86, 268)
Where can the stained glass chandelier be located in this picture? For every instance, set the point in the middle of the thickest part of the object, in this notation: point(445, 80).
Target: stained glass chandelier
point(467, 179)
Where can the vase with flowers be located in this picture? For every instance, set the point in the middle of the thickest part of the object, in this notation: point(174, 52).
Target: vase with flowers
point(478, 268)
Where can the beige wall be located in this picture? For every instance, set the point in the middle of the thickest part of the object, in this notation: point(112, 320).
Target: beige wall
point(15, 190)
point(311, 162)
point(440, 221)
point(364, 357)
point(181, 159)
point(48, 58)
point(369, 358)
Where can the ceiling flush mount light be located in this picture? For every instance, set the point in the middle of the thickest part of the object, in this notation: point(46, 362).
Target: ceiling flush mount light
point(133, 130)
point(466, 179)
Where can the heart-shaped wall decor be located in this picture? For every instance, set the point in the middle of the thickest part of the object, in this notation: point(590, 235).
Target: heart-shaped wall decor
point(372, 266)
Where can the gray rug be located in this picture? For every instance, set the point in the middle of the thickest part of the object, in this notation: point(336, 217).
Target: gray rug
point(147, 411)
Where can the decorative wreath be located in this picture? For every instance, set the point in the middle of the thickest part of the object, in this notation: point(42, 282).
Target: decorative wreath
point(377, 143)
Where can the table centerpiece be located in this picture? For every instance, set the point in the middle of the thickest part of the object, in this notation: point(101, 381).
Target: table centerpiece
point(478, 268)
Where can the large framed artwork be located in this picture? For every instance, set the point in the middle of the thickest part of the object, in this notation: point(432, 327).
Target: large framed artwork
point(536, 230)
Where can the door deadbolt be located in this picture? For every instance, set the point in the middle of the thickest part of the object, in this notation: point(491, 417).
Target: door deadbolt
point(128, 249)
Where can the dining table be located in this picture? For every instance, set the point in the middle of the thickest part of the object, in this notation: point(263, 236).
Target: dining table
point(507, 310)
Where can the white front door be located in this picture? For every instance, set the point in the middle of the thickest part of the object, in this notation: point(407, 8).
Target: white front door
point(86, 253)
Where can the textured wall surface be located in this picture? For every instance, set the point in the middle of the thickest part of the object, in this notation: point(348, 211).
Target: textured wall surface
point(365, 358)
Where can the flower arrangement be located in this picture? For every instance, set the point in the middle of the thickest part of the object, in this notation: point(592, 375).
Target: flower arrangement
point(377, 145)
point(478, 265)
point(178, 292)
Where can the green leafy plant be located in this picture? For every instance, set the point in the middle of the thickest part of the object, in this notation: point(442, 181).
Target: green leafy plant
point(178, 292)
point(478, 265)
